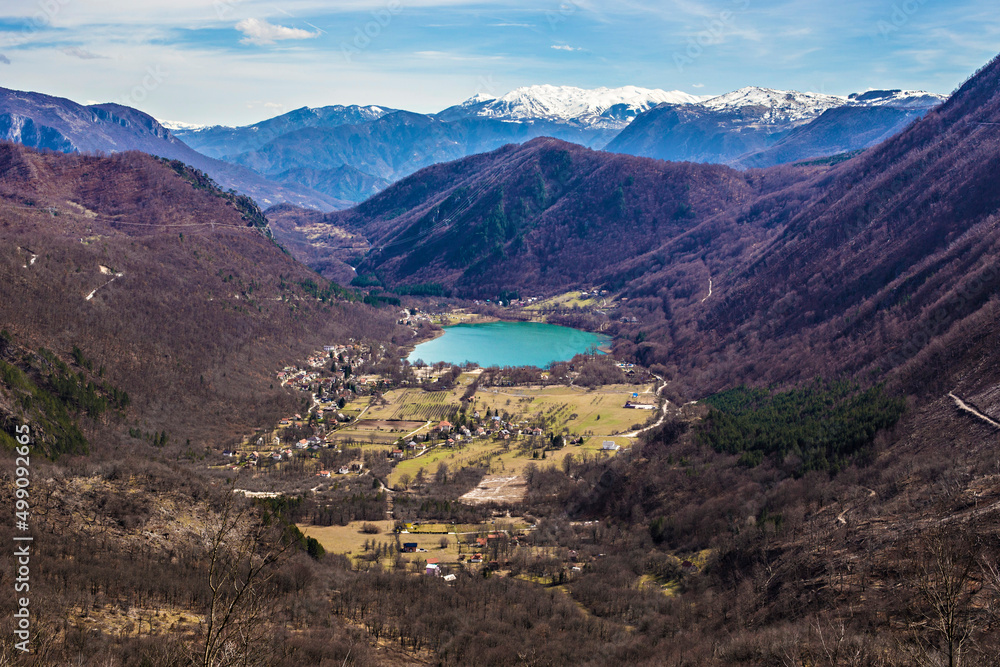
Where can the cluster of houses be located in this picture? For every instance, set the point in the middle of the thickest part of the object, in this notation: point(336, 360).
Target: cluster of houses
point(332, 389)
point(450, 436)
point(302, 447)
point(357, 467)
point(591, 293)
point(412, 317)
point(482, 545)
point(296, 377)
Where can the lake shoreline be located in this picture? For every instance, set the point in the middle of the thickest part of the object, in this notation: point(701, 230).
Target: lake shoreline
point(508, 343)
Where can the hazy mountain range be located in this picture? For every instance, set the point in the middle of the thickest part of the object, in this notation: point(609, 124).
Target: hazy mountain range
point(330, 157)
point(748, 127)
point(54, 123)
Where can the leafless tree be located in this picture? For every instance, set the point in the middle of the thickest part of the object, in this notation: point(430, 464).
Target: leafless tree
point(945, 576)
point(244, 553)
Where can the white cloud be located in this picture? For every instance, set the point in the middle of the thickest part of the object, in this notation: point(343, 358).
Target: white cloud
point(83, 54)
point(261, 32)
point(565, 47)
point(697, 85)
point(4, 59)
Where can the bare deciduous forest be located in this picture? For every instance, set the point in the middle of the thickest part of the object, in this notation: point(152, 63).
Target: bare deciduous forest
point(845, 520)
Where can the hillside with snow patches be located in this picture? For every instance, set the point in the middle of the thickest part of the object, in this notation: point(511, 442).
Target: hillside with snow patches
point(759, 127)
point(772, 106)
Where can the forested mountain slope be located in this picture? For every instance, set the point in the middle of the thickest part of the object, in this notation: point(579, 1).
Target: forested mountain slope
point(171, 287)
point(543, 216)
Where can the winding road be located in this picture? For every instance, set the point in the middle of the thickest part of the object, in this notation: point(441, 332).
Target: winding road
point(663, 413)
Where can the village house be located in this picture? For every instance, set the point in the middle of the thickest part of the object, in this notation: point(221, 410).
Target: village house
point(609, 446)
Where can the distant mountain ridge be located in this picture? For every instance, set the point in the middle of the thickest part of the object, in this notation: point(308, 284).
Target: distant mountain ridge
point(350, 152)
point(220, 141)
point(331, 157)
point(744, 128)
point(54, 123)
point(605, 108)
point(378, 145)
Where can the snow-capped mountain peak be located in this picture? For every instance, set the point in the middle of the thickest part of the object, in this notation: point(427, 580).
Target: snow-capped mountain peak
point(179, 125)
point(775, 105)
point(478, 98)
point(598, 107)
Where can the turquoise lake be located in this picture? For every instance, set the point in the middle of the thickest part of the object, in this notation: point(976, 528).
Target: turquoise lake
point(507, 344)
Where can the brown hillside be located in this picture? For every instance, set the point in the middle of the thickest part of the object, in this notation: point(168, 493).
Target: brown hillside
point(205, 310)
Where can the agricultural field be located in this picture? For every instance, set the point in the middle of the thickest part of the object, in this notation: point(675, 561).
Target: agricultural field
point(596, 415)
point(498, 457)
point(417, 405)
point(378, 431)
point(593, 412)
point(350, 539)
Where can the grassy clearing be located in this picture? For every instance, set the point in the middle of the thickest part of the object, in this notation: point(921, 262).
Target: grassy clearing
point(365, 436)
point(569, 300)
point(668, 588)
point(349, 540)
point(459, 316)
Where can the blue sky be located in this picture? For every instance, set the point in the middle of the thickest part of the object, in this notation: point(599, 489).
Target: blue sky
point(238, 61)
